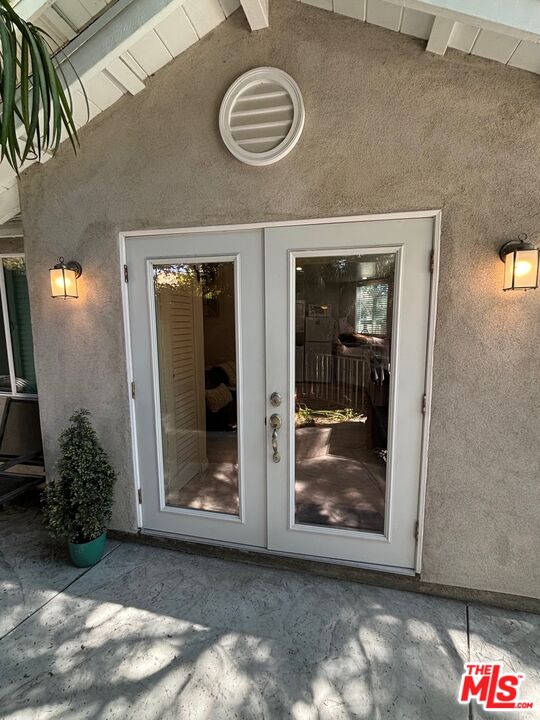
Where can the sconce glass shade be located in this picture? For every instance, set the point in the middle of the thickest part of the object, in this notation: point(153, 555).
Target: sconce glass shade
point(521, 264)
point(64, 279)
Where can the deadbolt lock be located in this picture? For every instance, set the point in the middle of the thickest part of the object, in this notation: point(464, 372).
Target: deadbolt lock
point(275, 399)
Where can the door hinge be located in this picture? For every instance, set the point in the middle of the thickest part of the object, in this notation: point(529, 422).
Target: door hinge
point(133, 389)
point(126, 274)
point(432, 261)
point(139, 494)
point(424, 404)
point(416, 526)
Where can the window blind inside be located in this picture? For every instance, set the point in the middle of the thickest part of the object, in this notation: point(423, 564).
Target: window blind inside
point(372, 308)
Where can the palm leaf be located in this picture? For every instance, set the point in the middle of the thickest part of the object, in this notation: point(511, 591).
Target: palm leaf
point(36, 111)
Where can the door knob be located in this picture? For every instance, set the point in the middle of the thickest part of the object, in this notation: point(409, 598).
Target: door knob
point(275, 424)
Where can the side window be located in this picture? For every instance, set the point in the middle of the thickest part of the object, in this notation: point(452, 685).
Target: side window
point(17, 371)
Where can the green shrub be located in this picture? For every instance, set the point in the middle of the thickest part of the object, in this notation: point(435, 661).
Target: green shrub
point(78, 501)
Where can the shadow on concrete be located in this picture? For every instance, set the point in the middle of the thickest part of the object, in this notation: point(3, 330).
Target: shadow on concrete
point(153, 634)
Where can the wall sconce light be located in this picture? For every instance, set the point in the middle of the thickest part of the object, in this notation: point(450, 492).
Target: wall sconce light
point(521, 261)
point(64, 279)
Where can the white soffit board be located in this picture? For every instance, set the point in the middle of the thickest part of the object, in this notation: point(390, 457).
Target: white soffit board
point(177, 32)
point(102, 90)
point(57, 26)
point(494, 46)
point(82, 108)
point(133, 65)
point(383, 13)
point(94, 6)
point(416, 23)
point(124, 75)
point(74, 12)
point(205, 15)
point(352, 8)
point(80, 102)
point(463, 37)
point(526, 57)
point(150, 52)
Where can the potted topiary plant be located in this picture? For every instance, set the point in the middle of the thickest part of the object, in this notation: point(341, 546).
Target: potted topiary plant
point(78, 500)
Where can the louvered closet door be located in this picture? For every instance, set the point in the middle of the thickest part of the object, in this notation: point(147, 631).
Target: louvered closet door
point(196, 327)
point(181, 358)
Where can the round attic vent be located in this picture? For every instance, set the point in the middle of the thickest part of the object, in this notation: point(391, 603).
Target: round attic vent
point(262, 116)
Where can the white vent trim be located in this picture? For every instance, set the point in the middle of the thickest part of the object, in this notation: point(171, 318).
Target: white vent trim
point(262, 116)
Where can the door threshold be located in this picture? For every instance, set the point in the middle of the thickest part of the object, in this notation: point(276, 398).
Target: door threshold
point(254, 551)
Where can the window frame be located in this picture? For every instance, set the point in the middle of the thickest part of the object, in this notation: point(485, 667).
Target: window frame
point(7, 330)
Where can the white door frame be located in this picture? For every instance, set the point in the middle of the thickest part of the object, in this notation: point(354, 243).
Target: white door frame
point(435, 214)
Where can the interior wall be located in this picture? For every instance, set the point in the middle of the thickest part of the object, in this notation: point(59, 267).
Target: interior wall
point(220, 321)
point(389, 127)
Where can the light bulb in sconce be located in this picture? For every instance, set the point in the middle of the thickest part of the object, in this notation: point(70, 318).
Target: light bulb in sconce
point(521, 264)
point(523, 267)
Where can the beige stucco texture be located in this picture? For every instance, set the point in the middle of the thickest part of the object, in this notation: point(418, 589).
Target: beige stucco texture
point(389, 127)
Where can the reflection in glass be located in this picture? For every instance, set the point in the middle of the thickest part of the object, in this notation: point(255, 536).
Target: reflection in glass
point(196, 338)
point(342, 372)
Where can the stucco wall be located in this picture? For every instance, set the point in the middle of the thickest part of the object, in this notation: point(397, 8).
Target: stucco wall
point(389, 127)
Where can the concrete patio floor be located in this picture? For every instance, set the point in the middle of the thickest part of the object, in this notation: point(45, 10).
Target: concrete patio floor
point(152, 633)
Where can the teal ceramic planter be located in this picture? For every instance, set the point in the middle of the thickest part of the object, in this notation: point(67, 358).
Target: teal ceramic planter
point(87, 554)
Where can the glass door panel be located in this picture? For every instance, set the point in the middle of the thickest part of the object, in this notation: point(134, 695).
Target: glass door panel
point(343, 344)
point(196, 319)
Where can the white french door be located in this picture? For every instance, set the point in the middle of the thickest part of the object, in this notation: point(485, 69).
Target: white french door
point(197, 344)
point(279, 375)
point(347, 311)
